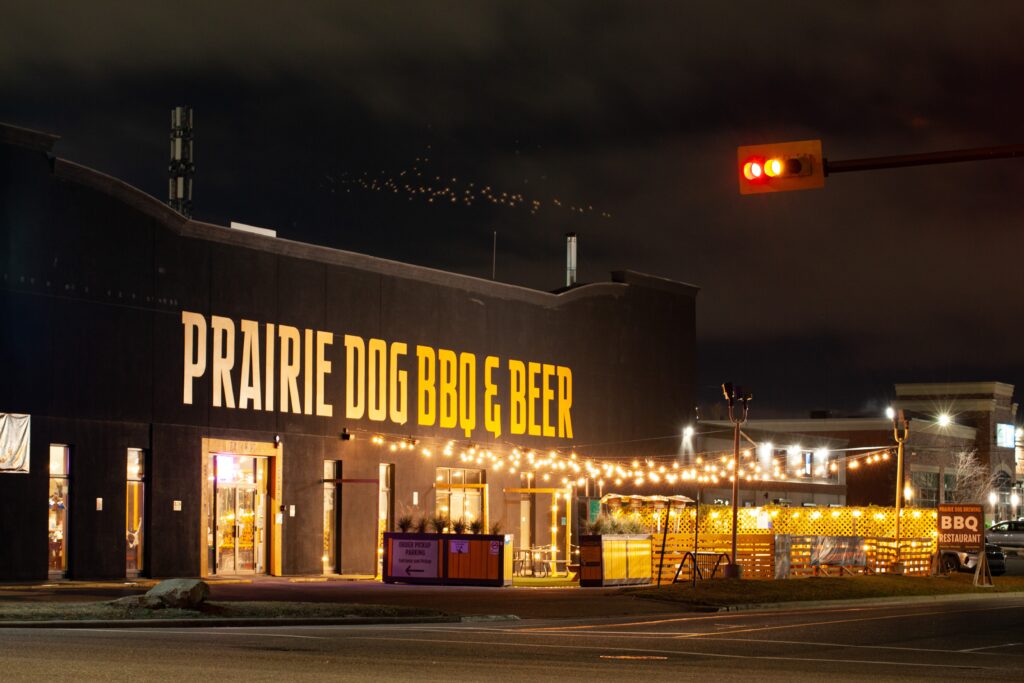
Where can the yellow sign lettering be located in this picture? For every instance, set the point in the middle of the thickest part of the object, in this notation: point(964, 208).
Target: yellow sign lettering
point(223, 360)
point(517, 397)
point(194, 325)
point(492, 410)
point(426, 400)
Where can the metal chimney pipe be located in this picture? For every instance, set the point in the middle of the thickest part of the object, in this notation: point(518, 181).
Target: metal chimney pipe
point(570, 259)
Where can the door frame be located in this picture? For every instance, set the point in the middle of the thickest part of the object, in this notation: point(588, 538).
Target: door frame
point(274, 452)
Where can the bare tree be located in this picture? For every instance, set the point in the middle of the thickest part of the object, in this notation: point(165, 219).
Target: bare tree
point(971, 479)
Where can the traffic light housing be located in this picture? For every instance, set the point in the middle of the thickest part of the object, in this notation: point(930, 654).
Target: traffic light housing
point(780, 167)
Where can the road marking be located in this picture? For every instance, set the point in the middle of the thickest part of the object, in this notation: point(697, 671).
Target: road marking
point(815, 643)
point(681, 653)
point(631, 657)
point(647, 635)
point(989, 647)
point(747, 615)
point(849, 621)
point(224, 631)
point(712, 617)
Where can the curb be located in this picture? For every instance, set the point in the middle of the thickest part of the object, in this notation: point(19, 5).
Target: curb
point(867, 602)
point(237, 622)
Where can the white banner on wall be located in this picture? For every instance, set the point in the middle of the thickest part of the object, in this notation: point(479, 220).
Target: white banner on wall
point(14, 442)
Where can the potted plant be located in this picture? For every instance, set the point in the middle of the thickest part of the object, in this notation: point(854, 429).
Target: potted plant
point(438, 524)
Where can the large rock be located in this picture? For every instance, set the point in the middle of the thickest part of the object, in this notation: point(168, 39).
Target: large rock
point(181, 593)
point(139, 602)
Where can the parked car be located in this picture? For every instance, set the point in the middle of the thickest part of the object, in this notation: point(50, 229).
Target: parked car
point(954, 561)
point(1009, 534)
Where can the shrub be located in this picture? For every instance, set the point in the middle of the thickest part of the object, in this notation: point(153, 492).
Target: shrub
point(496, 528)
point(459, 526)
point(438, 523)
point(476, 526)
point(607, 524)
point(421, 525)
point(405, 523)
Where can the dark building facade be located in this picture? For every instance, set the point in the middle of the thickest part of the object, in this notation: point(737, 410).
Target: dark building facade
point(204, 400)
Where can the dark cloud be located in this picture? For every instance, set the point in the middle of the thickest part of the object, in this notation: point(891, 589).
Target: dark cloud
point(634, 109)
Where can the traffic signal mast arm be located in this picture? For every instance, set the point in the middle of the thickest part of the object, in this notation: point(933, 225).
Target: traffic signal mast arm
point(904, 160)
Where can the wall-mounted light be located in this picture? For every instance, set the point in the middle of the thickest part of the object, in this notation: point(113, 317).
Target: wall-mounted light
point(277, 440)
point(345, 434)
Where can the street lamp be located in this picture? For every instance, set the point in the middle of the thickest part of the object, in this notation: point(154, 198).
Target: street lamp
point(900, 432)
point(732, 396)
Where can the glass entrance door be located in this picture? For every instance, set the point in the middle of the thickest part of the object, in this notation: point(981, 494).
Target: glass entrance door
point(240, 514)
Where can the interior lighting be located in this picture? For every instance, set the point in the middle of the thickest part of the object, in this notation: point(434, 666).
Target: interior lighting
point(944, 420)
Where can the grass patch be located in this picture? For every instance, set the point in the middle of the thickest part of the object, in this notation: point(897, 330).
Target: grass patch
point(722, 593)
point(546, 582)
point(76, 611)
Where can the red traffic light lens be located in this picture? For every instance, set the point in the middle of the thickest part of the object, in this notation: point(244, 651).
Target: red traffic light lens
point(752, 170)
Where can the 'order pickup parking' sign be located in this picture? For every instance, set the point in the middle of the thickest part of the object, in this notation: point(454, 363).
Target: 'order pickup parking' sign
point(961, 527)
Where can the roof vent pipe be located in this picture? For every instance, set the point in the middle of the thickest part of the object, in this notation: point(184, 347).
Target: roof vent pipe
point(570, 259)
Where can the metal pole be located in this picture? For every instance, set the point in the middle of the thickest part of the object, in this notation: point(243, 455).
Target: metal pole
point(696, 535)
point(897, 566)
point(732, 394)
point(735, 487)
point(494, 255)
point(664, 539)
point(926, 159)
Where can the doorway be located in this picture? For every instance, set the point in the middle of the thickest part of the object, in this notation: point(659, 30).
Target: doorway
point(239, 515)
point(58, 502)
point(332, 517)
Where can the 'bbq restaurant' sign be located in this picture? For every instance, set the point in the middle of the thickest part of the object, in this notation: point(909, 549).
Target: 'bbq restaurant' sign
point(961, 527)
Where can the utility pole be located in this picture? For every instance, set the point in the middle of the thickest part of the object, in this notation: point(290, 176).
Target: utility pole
point(732, 396)
point(900, 432)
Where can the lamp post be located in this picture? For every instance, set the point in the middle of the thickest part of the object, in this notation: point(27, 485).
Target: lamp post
point(732, 396)
point(900, 432)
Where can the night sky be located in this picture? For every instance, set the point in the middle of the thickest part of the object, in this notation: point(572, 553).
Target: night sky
point(618, 121)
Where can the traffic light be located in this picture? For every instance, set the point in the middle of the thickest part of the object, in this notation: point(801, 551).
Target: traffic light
point(780, 167)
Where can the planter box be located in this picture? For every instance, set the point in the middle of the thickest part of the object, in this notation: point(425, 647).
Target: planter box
point(615, 560)
point(448, 559)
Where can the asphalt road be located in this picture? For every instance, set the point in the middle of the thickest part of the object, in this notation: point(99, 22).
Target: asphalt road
point(956, 640)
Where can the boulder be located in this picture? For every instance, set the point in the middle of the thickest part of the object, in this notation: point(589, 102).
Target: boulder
point(181, 593)
point(139, 602)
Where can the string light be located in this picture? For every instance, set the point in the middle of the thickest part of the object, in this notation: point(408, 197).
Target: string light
point(575, 470)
